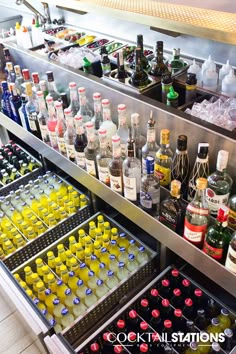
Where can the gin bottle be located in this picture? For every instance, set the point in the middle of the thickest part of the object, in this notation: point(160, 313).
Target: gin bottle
point(74, 100)
point(43, 117)
point(52, 123)
point(123, 130)
point(136, 135)
point(163, 160)
point(97, 105)
point(60, 128)
point(52, 88)
point(80, 142)
point(84, 111)
point(91, 150)
point(69, 135)
point(107, 123)
point(103, 158)
point(115, 166)
point(151, 147)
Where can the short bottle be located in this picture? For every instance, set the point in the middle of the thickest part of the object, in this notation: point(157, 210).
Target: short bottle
point(194, 68)
point(166, 83)
point(210, 78)
point(106, 64)
point(163, 159)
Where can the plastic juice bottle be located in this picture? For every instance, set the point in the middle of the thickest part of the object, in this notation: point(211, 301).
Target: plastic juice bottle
point(55, 212)
point(9, 247)
point(51, 220)
point(69, 191)
point(2, 254)
point(107, 229)
point(24, 227)
point(106, 242)
point(63, 213)
point(123, 241)
point(39, 304)
point(214, 327)
point(83, 274)
point(79, 251)
point(61, 288)
point(74, 266)
point(69, 298)
point(82, 236)
point(101, 288)
point(81, 289)
point(58, 264)
point(39, 210)
point(4, 238)
point(75, 199)
point(89, 243)
point(92, 281)
point(225, 321)
point(71, 208)
point(111, 281)
point(35, 279)
point(13, 233)
point(90, 298)
point(52, 283)
point(46, 272)
point(64, 274)
point(83, 201)
point(98, 236)
point(102, 274)
point(97, 249)
point(72, 281)
point(100, 222)
point(67, 318)
point(132, 249)
point(78, 307)
point(122, 272)
point(51, 259)
point(114, 249)
point(28, 275)
point(72, 243)
point(58, 306)
point(41, 290)
point(87, 256)
point(104, 258)
point(61, 252)
point(94, 264)
point(7, 229)
point(49, 297)
point(57, 327)
point(92, 229)
point(132, 264)
point(142, 255)
point(39, 265)
point(45, 215)
point(114, 234)
point(69, 257)
point(123, 256)
point(29, 293)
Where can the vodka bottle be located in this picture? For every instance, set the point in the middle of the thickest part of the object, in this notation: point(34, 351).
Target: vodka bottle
point(69, 135)
point(74, 100)
point(43, 117)
point(136, 135)
point(151, 147)
point(60, 128)
point(123, 130)
point(107, 123)
point(103, 158)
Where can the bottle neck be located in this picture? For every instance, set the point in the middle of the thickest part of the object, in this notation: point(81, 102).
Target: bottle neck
point(116, 151)
point(131, 152)
point(159, 55)
point(59, 113)
point(200, 195)
point(79, 129)
point(122, 118)
point(42, 105)
point(135, 131)
point(82, 99)
point(52, 86)
point(103, 143)
point(106, 113)
point(151, 135)
point(51, 111)
point(97, 106)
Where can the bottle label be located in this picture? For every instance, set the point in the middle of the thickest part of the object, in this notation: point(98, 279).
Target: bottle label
point(151, 136)
point(32, 124)
point(80, 159)
point(164, 174)
point(144, 167)
point(123, 148)
point(231, 260)
point(168, 220)
point(147, 199)
point(198, 211)
point(130, 188)
point(106, 68)
point(44, 132)
point(103, 175)
point(116, 183)
point(70, 150)
point(214, 200)
point(194, 233)
point(61, 145)
point(90, 167)
point(53, 138)
point(232, 219)
point(213, 252)
point(23, 117)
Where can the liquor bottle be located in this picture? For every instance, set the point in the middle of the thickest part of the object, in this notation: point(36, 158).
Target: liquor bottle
point(97, 106)
point(172, 209)
point(144, 61)
point(133, 320)
point(115, 166)
point(107, 123)
point(19, 79)
point(188, 309)
point(150, 189)
point(69, 135)
point(144, 310)
point(91, 150)
point(123, 130)
point(219, 184)
point(132, 174)
point(136, 135)
point(230, 262)
point(23, 114)
point(60, 128)
point(15, 103)
point(74, 100)
point(52, 88)
point(165, 289)
point(163, 159)
point(84, 111)
point(103, 158)
point(35, 80)
point(121, 74)
point(31, 111)
point(197, 213)
point(232, 212)
point(177, 300)
point(11, 77)
point(5, 99)
point(139, 78)
point(43, 117)
point(80, 142)
point(151, 147)
point(7, 58)
point(180, 166)
point(200, 169)
point(158, 67)
point(52, 123)
point(218, 236)
point(179, 323)
point(166, 309)
point(176, 63)
point(105, 64)
point(26, 76)
point(44, 88)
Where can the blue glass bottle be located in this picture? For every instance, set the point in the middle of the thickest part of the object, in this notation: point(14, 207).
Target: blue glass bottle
point(23, 113)
point(15, 102)
point(5, 101)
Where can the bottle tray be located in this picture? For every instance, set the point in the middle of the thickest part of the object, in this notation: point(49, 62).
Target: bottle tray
point(108, 326)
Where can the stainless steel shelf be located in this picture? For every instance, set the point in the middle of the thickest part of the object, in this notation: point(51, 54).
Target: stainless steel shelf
point(209, 267)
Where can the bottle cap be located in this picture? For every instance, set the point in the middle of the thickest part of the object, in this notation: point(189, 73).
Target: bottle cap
point(172, 94)
point(166, 79)
point(228, 332)
point(165, 283)
point(105, 102)
point(110, 273)
point(120, 324)
point(154, 292)
point(201, 312)
point(155, 337)
point(72, 85)
point(133, 314)
point(88, 291)
point(106, 336)
point(102, 265)
point(121, 264)
point(67, 292)
point(165, 136)
point(131, 257)
point(175, 273)
point(35, 77)
point(81, 90)
point(56, 302)
point(191, 79)
point(177, 292)
point(64, 312)
point(76, 301)
point(135, 118)
point(175, 188)
point(144, 325)
point(112, 257)
point(215, 322)
point(182, 142)
point(155, 313)
point(198, 292)
point(193, 346)
point(188, 302)
point(118, 349)
point(144, 348)
point(132, 241)
point(225, 312)
point(80, 282)
point(94, 347)
point(48, 291)
point(216, 347)
point(165, 303)
point(50, 76)
point(201, 183)
point(144, 303)
point(167, 324)
point(222, 160)
point(178, 313)
point(99, 282)
point(90, 273)
point(96, 95)
point(132, 336)
point(141, 249)
point(121, 107)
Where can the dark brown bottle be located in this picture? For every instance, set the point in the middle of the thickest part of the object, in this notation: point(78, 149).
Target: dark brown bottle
point(227, 345)
point(165, 289)
point(107, 345)
point(188, 309)
point(122, 74)
point(154, 298)
point(179, 323)
point(159, 68)
point(139, 77)
point(212, 310)
point(201, 320)
point(166, 309)
point(144, 60)
point(198, 299)
point(144, 329)
point(175, 278)
point(133, 320)
point(145, 309)
point(186, 288)
point(156, 321)
point(216, 349)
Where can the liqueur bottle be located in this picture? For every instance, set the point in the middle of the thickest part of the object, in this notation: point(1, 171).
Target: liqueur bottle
point(80, 142)
point(139, 78)
point(231, 255)
point(163, 160)
point(121, 74)
point(136, 135)
point(151, 147)
point(115, 166)
point(103, 158)
point(159, 68)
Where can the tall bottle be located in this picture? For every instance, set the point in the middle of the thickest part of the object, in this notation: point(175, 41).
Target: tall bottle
point(123, 130)
point(52, 123)
point(52, 88)
point(5, 99)
point(31, 111)
point(180, 166)
point(91, 150)
point(11, 77)
point(219, 183)
point(158, 67)
point(144, 61)
point(97, 106)
point(200, 169)
point(132, 173)
point(115, 166)
point(80, 142)
point(136, 135)
point(197, 213)
point(163, 159)
point(74, 99)
point(232, 212)
point(230, 262)
point(19, 79)
point(151, 147)
point(121, 74)
point(23, 114)
point(15, 103)
point(44, 88)
point(60, 128)
point(103, 158)
point(107, 123)
point(69, 135)
point(84, 111)
point(150, 189)
point(176, 63)
point(43, 117)
point(139, 78)
point(35, 80)
point(105, 64)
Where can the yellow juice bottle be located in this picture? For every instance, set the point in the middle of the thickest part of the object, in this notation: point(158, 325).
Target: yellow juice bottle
point(100, 222)
point(114, 249)
point(51, 220)
point(13, 233)
point(72, 243)
point(2, 254)
point(83, 200)
point(29, 293)
point(28, 275)
point(17, 277)
point(26, 211)
point(15, 215)
point(35, 279)
point(43, 199)
point(46, 272)
point(40, 228)
point(74, 266)
point(24, 226)
point(70, 190)
point(79, 251)
point(61, 252)
point(83, 272)
point(19, 241)
point(107, 229)
point(62, 188)
point(61, 288)
point(106, 242)
point(89, 243)
point(52, 193)
point(58, 264)
point(49, 297)
point(82, 236)
point(56, 212)
point(7, 230)
point(60, 200)
point(30, 233)
point(4, 220)
point(39, 304)
point(114, 234)
point(41, 291)
point(45, 215)
point(87, 256)
point(92, 229)
point(98, 235)
point(75, 199)
point(64, 274)
point(23, 285)
point(3, 238)
point(52, 283)
point(34, 205)
point(71, 209)
point(94, 264)
point(97, 249)
point(9, 247)
point(63, 213)
point(50, 205)
point(39, 211)
point(33, 221)
point(39, 266)
point(72, 281)
point(51, 259)
point(123, 241)
point(69, 256)
point(104, 258)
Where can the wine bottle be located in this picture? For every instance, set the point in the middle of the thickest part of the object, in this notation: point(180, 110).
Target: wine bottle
point(121, 72)
point(139, 77)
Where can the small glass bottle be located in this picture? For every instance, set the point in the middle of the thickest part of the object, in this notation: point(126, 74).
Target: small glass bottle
point(151, 147)
point(105, 64)
point(121, 74)
point(69, 135)
point(84, 111)
point(43, 117)
point(52, 123)
point(176, 63)
point(163, 159)
point(139, 78)
point(136, 135)
point(52, 88)
point(91, 150)
point(80, 142)
point(103, 158)
point(97, 106)
point(60, 128)
point(31, 111)
point(115, 166)
point(74, 100)
point(107, 123)
point(158, 67)
point(123, 130)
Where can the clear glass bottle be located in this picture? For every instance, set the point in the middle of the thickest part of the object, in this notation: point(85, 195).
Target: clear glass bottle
point(139, 78)
point(132, 174)
point(52, 122)
point(43, 87)
point(19, 79)
point(74, 100)
point(151, 147)
point(80, 142)
point(107, 123)
point(121, 74)
point(43, 117)
point(35, 80)
point(123, 130)
point(52, 88)
point(200, 169)
point(11, 77)
point(60, 128)
point(158, 67)
point(150, 189)
point(172, 209)
point(85, 111)
point(136, 135)
point(103, 158)
point(69, 135)
point(163, 159)
point(91, 150)
point(115, 166)
point(197, 214)
point(97, 106)
point(219, 183)
point(31, 111)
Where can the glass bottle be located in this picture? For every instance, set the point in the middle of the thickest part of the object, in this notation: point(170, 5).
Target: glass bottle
point(103, 158)
point(7, 58)
point(52, 88)
point(60, 128)
point(5, 99)
point(172, 210)
point(232, 212)
point(123, 130)
point(230, 262)
point(15, 103)
point(115, 166)
point(69, 135)
point(43, 117)
point(19, 79)
point(158, 67)
point(176, 63)
point(151, 147)
point(218, 236)
point(91, 150)
point(200, 169)
point(31, 111)
point(84, 111)
point(52, 123)
point(136, 135)
point(80, 142)
point(121, 74)
point(74, 100)
point(23, 114)
point(197, 213)
point(97, 105)
point(150, 189)
point(163, 159)
point(43, 87)
point(144, 61)
point(26, 76)
point(132, 174)
point(64, 100)
point(180, 166)
point(219, 183)
point(105, 64)
point(107, 123)
point(11, 77)
point(139, 78)
point(35, 80)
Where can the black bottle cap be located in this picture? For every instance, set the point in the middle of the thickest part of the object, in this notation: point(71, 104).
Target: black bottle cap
point(130, 144)
point(166, 79)
point(191, 79)
point(50, 76)
point(64, 100)
point(202, 154)
point(103, 50)
point(182, 142)
point(6, 52)
point(159, 44)
point(139, 38)
point(201, 312)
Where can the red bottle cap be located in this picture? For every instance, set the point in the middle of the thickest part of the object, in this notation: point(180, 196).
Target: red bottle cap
point(165, 282)
point(118, 349)
point(133, 314)
point(178, 313)
point(94, 347)
point(120, 324)
point(106, 336)
point(35, 78)
point(132, 336)
point(144, 302)
point(198, 292)
point(167, 324)
point(186, 283)
point(223, 213)
point(175, 273)
point(165, 303)
point(155, 337)
point(81, 89)
point(188, 302)
point(144, 325)
point(26, 74)
point(143, 348)
point(154, 292)
point(155, 313)
point(177, 292)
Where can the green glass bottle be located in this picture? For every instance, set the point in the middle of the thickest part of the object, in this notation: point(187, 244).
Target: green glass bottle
point(176, 63)
point(232, 212)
